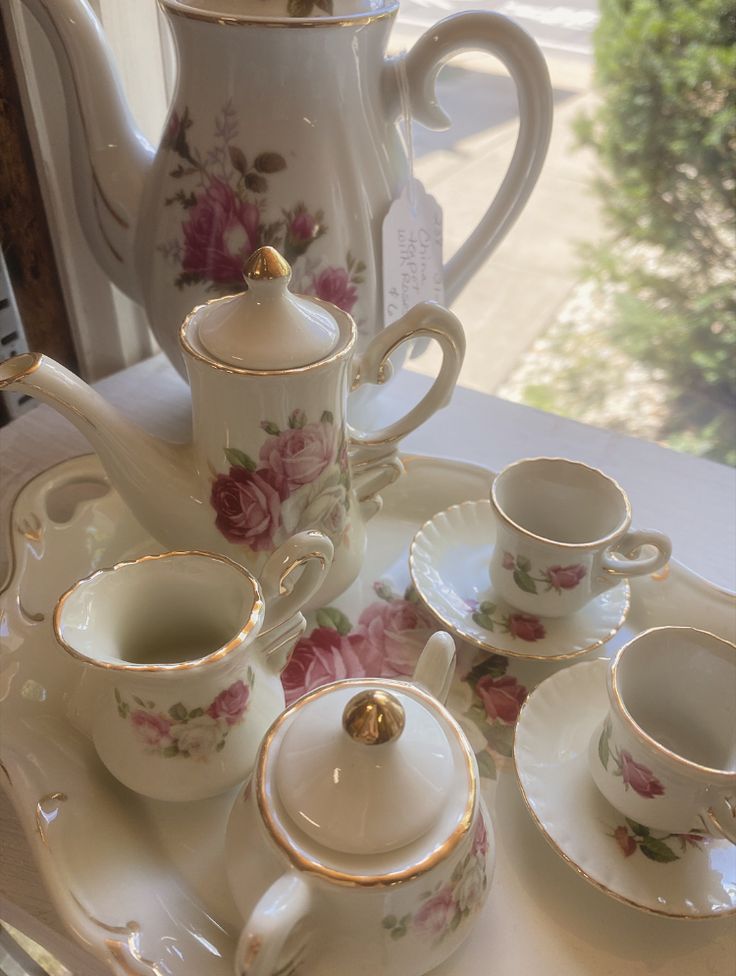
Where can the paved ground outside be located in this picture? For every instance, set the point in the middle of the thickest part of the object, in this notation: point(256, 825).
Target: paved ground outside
point(521, 291)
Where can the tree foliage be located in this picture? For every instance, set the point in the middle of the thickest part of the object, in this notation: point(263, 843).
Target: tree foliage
point(665, 133)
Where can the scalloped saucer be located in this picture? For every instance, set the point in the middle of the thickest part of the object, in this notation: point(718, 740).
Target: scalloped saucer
point(448, 562)
point(681, 876)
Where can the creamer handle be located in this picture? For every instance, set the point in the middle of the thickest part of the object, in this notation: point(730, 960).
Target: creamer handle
point(284, 598)
point(286, 903)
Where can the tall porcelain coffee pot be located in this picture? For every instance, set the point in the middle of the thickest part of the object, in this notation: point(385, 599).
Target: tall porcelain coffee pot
point(282, 130)
point(272, 453)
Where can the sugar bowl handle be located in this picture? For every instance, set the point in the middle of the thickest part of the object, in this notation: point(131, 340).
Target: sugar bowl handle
point(286, 903)
point(436, 666)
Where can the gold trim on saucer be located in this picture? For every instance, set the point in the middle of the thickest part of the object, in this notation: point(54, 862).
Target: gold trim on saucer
point(235, 641)
point(304, 859)
point(487, 645)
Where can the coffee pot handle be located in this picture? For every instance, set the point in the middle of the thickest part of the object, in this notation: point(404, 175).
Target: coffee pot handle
point(493, 34)
point(373, 460)
point(285, 595)
point(286, 903)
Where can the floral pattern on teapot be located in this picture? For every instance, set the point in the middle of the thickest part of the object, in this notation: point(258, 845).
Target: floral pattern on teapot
point(301, 480)
point(451, 902)
point(194, 733)
point(223, 195)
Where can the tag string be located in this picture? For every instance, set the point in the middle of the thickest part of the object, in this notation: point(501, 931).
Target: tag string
point(408, 137)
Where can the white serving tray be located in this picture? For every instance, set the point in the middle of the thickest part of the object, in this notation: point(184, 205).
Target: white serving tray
point(142, 883)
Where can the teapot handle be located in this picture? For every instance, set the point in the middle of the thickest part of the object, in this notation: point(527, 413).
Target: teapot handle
point(497, 35)
point(286, 903)
point(373, 460)
point(311, 550)
point(436, 666)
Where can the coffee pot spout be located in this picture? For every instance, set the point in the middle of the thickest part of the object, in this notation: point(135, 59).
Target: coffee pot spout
point(111, 159)
point(136, 462)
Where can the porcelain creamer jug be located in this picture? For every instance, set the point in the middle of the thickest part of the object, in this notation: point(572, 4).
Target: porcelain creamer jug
point(361, 840)
point(181, 655)
point(272, 453)
point(282, 130)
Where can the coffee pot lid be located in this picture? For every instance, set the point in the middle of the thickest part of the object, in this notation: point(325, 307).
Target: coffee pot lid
point(372, 783)
point(267, 327)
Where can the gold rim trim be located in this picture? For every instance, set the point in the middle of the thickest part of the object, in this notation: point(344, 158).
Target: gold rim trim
point(576, 867)
point(632, 725)
point(241, 20)
point(31, 362)
point(307, 862)
point(595, 544)
point(346, 343)
point(40, 814)
point(236, 641)
point(487, 645)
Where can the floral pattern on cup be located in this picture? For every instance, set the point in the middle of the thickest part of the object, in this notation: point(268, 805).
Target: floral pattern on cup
point(634, 774)
point(633, 837)
point(557, 577)
point(300, 481)
point(223, 195)
point(524, 626)
point(386, 641)
point(194, 733)
point(444, 908)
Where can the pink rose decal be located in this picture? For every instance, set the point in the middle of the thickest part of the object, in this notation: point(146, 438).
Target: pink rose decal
point(525, 626)
point(565, 577)
point(502, 697)
point(220, 232)
point(230, 703)
point(508, 561)
point(434, 915)
point(387, 631)
point(641, 779)
point(625, 841)
point(248, 507)
point(480, 839)
point(298, 456)
point(334, 285)
point(303, 226)
point(324, 656)
point(154, 729)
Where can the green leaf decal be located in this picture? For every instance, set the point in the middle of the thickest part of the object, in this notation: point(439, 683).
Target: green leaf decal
point(389, 922)
point(524, 581)
point(637, 828)
point(327, 417)
point(170, 751)
point(483, 620)
point(524, 564)
point(179, 712)
point(220, 745)
point(603, 750)
point(139, 701)
point(500, 738)
point(334, 618)
point(495, 665)
point(196, 712)
point(239, 459)
point(657, 850)
point(486, 765)
point(118, 697)
point(488, 607)
point(256, 183)
point(237, 158)
point(270, 427)
point(271, 162)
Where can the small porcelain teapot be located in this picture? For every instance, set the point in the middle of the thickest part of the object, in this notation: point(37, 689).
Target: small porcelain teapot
point(181, 657)
point(365, 829)
point(272, 453)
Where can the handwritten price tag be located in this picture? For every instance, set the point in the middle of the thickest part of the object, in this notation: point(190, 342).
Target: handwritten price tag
point(412, 252)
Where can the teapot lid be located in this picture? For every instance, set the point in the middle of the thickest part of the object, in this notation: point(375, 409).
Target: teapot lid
point(372, 783)
point(267, 327)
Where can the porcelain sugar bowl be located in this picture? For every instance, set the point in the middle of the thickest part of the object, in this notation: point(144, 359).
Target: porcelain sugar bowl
point(365, 829)
point(272, 452)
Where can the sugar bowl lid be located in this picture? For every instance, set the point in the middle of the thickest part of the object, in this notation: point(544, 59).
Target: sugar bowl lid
point(266, 327)
point(375, 781)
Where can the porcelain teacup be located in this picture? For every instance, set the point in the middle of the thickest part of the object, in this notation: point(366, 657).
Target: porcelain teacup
point(665, 754)
point(182, 654)
point(563, 536)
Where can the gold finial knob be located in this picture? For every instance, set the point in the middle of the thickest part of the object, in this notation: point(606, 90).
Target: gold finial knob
point(265, 264)
point(373, 717)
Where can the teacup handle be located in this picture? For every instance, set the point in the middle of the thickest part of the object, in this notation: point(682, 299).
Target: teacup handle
point(721, 817)
point(373, 460)
point(286, 903)
point(311, 550)
point(617, 565)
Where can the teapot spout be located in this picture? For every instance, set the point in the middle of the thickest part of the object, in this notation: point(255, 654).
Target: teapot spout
point(110, 157)
point(134, 460)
